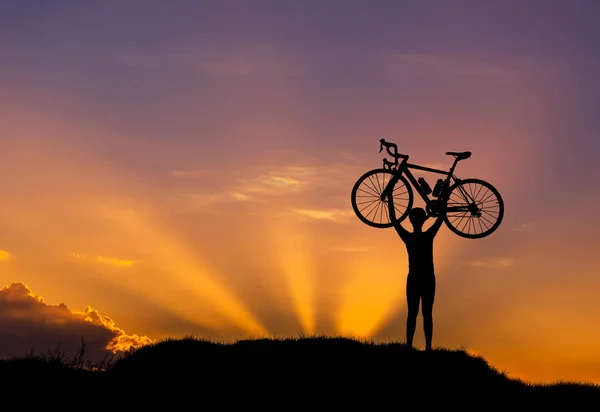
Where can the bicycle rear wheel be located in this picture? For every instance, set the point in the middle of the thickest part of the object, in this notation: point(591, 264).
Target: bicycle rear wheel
point(367, 203)
point(474, 209)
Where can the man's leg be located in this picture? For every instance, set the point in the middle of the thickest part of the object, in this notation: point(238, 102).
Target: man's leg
point(412, 298)
point(428, 299)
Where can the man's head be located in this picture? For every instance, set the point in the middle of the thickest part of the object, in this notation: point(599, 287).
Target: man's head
point(417, 217)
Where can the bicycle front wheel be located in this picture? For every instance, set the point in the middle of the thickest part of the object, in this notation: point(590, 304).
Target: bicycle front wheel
point(474, 209)
point(367, 203)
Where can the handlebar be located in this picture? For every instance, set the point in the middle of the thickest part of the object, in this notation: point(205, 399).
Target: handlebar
point(387, 146)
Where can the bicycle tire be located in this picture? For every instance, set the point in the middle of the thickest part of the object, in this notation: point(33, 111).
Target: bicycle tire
point(491, 196)
point(377, 181)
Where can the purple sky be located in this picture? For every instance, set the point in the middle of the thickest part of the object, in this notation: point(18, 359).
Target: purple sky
point(185, 167)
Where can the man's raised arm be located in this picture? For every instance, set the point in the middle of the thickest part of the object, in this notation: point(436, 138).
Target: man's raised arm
point(392, 212)
point(435, 227)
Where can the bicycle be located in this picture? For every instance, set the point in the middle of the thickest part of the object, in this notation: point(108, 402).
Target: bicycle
point(396, 176)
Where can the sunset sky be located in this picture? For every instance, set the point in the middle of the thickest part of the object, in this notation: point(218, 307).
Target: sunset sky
point(184, 168)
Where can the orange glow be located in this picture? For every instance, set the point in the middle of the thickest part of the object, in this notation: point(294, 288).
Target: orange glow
point(294, 259)
point(4, 255)
point(177, 264)
point(375, 286)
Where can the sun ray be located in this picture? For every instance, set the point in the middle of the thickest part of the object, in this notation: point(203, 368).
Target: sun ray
point(291, 251)
point(172, 258)
point(373, 288)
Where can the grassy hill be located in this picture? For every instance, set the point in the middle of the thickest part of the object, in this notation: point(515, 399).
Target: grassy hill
point(310, 371)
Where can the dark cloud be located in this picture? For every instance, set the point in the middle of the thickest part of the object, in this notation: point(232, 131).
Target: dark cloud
point(27, 323)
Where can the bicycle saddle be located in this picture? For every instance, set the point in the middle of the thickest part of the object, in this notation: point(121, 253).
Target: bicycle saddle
point(460, 155)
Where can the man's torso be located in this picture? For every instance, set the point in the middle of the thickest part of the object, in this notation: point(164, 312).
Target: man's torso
point(419, 247)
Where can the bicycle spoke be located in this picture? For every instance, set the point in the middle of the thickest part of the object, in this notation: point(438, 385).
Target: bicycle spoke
point(368, 204)
point(369, 184)
point(381, 211)
point(472, 191)
point(487, 220)
point(479, 191)
point(468, 220)
point(373, 186)
point(380, 181)
point(465, 195)
point(466, 225)
point(370, 192)
point(469, 191)
point(398, 188)
point(377, 185)
point(369, 214)
point(461, 219)
point(489, 196)
point(492, 203)
point(456, 216)
point(471, 223)
point(479, 221)
point(371, 189)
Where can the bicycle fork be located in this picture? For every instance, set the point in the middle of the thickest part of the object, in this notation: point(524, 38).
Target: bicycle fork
point(387, 192)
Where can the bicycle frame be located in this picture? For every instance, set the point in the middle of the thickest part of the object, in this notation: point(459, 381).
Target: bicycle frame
point(404, 167)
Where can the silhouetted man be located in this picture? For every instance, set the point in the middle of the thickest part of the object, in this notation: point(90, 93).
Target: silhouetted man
point(420, 283)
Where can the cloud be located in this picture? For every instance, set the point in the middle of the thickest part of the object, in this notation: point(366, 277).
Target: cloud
point(228, 66)
point(206, 202)
point(191, 174)
point(334, 215)
point(200, 200)
point(461, 65)
point(349, 156)
point(104, 260)
point(295, 183)
point(240, 196)
point(5, 256)
point(466, 65)
point(492, 263)
point(272, 181)
point(27, 323)
point(262, 185)
point(243, 62)
point(272, 184)
point(114, 261)
point(349, 249)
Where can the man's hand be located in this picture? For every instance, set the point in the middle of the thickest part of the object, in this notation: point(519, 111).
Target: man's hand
point(435, 227)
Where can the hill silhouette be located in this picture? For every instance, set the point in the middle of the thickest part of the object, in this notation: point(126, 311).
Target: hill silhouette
point(323, 371)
